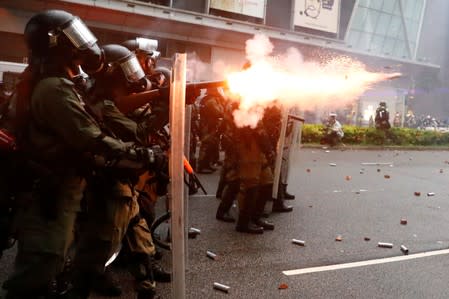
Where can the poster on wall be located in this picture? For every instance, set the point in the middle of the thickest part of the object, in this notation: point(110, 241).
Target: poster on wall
point(253, 8)
point(320, 15)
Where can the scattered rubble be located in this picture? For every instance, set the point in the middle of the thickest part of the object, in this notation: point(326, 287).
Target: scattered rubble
point(404, 249)
point(385, 245)
point(211, 255)
point(299, 242)
point(283, 286)
point(221, 287)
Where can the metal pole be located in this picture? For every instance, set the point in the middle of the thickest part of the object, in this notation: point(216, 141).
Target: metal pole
point(207, 7)
point(292, 15)
point(280, 147)
point(177, 121)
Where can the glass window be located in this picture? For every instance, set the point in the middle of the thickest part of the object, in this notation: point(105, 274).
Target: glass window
point(395, 26)
point(389, 6)
point(412, 29)
point(364, 3)
point(396, 10)
point(412, 47)
point(371, 21)
point(400, 49)
point(377, 44)
point(359, 18)
point(353, 38)
point(389, 45)
point(418, 9)
point(408, 8)
point(364, 41)
point(383, 24)
point(376, 4)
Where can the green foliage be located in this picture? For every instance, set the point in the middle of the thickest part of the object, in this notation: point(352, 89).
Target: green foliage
point(312, 133)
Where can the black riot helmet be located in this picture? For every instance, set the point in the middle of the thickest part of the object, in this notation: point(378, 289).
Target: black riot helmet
point(58, 37)
point(146, 52)
point(122, 69)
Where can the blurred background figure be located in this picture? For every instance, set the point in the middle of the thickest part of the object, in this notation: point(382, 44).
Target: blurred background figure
point(333, 131)
point(397, 120)
point(382, 119)
point(211, 115)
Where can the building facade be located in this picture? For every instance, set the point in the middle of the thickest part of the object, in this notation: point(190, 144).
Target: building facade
point(386, 35)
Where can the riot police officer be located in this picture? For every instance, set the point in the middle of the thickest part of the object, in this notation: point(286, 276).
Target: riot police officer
point(113, 208)
point(56, 133)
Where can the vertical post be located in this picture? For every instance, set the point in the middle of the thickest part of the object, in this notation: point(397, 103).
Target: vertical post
point(177, 122)
point(280, 147)
point(207, 7)
point(292, 15)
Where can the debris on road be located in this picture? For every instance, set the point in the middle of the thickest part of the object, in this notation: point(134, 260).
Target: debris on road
point(332, 164)
point(404, 249)
point(431, 194)
point(403, 221)
point(211, 255)
point(299, 242)
point(283, 286)
point(385, 245)
point(221, 287)
point(193, 233)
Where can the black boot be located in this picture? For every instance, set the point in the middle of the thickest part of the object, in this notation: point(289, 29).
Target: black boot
point(230, 192)
point(221, 183)
point(284, 192)
point(280, 207)
point(244, 223)
point(259, 207)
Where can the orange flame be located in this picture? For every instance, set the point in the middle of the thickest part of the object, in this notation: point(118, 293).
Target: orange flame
point(290, 81)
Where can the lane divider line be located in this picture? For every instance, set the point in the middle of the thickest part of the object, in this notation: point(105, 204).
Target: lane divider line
point(365, 263)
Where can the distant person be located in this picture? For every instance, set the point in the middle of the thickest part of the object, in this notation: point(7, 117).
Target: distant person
point(333, 131)
point(382, 119)
point(397, 120)
point(371, 122)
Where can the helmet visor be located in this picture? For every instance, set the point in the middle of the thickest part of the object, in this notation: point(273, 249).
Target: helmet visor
point(131, 69)
point(146, 44)
point(78, 33)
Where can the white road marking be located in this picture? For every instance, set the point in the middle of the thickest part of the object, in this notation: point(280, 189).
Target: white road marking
point(365, 263)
